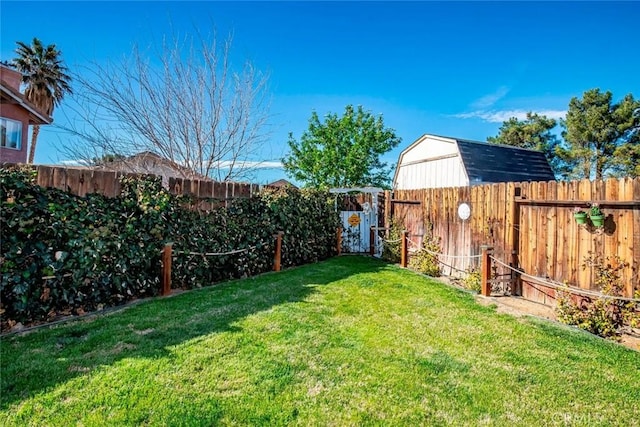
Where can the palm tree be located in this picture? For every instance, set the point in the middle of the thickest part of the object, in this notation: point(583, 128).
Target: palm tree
point(45, 78)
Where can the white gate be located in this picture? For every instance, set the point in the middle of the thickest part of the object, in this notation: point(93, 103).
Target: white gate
point(355, 231)
point(356, 225)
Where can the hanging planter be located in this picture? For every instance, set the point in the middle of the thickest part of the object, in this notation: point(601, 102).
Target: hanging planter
point(596, 216)
point(597, 220)
point(580, 217)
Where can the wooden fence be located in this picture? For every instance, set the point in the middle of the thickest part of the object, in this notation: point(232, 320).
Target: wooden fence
point(531, 226)
point(81, 182)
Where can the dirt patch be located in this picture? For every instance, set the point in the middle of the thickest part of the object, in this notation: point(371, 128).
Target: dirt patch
point(517, 306)
point(631, 340)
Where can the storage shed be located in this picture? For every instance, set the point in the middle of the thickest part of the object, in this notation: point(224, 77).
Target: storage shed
point(437, 161)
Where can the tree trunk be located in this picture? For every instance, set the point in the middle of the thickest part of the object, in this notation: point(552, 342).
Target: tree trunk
point(586, 170)
point(34, 141)
point(600, 166)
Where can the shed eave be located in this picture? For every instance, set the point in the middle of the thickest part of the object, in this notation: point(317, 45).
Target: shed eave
point(413, 145)
point(35, 116)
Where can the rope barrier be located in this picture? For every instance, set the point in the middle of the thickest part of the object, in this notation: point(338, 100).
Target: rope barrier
point(535, 279)
point(453, 268)
point(208, 254)
point(561, 287)
point(55, 277)
point(441, 262)
point(542, 291)
point(202, 254)
point(454, 256)
point(444, 255)
point(391, 241)
point(415, 245)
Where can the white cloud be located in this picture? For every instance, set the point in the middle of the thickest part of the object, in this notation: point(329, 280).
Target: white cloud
point(490, 99)
point(504, 115)
point(74, 162)
point(248, 164)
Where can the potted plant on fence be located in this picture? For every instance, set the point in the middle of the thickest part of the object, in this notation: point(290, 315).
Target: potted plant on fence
point(595, 215)
point(579, 215)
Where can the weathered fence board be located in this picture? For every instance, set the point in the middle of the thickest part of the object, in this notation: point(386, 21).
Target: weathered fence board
point(531, 226)
point(81, 182)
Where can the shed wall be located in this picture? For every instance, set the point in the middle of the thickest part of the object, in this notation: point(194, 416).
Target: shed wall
point(429, 148)
point(440, 173)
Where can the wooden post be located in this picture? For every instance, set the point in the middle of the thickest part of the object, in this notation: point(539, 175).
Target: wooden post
point(278, 254)
point(387, 209)
point(372, 241)
point(404, 249)
point(515, 242)
point(486, 270)
point(516, 280)
point(339, 239)
point(166, 269)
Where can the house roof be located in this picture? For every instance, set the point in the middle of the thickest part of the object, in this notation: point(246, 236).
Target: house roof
point(486, 163)
point(281, 183)
point(10, 95)
point(150, 162)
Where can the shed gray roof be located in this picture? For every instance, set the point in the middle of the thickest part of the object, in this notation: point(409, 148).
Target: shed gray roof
point(486, 162)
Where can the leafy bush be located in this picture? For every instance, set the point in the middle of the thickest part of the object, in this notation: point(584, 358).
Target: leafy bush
point(63, 254)
point(601, 316)
point(424, 260)
point(92, 251)
point(473, 280)
point(631, 312)
point(309, 221)
point(392, 246)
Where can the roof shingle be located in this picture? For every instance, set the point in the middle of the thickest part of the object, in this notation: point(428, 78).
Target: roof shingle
point(486, 162)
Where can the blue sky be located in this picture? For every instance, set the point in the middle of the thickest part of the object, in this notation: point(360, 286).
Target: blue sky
point(455, 69)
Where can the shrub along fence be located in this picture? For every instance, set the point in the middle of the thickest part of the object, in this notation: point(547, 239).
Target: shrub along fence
point(67, 254)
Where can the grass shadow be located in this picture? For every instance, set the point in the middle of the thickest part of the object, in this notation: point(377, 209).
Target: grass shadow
point(42, 359)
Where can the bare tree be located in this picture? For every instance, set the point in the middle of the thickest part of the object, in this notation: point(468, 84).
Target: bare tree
point(185, 103)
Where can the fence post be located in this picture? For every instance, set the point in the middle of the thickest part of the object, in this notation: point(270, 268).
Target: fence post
point(166, 269)
point(516, 283)
point(387, 209)
point(278, 254)
point(404, 248)
point(339, 240)
point(372, 241)
point(486, 270)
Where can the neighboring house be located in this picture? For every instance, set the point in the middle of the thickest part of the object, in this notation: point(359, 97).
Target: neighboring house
point(148, 162)
point(282, 183)
point(16, 114)
point(437, 161)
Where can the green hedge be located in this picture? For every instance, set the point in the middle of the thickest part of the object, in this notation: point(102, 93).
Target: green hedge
point(63, 254)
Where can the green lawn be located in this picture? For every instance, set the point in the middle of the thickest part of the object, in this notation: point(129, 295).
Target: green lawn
point(350, 341)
